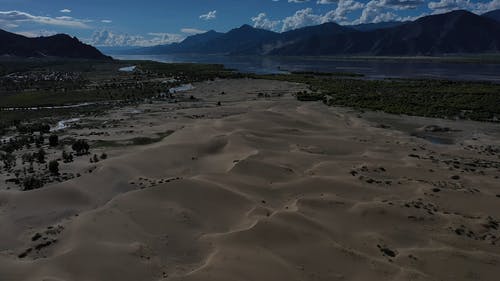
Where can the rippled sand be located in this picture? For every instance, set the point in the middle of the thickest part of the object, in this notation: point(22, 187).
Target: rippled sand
point(261, 188)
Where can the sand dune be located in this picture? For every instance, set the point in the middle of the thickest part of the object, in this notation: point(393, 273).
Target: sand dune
point(263, 189)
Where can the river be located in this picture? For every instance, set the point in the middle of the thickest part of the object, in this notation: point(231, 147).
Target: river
point(371, 68)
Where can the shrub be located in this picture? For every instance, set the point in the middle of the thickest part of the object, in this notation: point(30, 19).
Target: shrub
point(54, 167)
point(32, 182)
point(67, 157)
point(28, 158)
point(9, 161)
point(40, 156)
point(81, 147)
point(53, 140)
point(39, 141)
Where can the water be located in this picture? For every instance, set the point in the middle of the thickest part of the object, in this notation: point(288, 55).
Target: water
point(181, 88)
point(63, 124)
point(127, 69)
point(372, 69)
point(49, 107)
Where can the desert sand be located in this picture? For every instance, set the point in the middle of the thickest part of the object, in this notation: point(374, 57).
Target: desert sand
point(251, 184)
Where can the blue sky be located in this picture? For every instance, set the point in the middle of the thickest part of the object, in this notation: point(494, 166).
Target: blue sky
point(147, 22)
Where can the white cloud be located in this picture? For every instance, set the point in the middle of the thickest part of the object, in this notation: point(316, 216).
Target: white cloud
point(109, 38)
point(65, 11)
point(384, 10)
point(301, 18)
point(482, 7)
point(192, 30)
point(261, 21)
point(17, 17)
point(209, 16)
point(307, 17)
point(36, 33)
point(443, 6)
point(447, 5)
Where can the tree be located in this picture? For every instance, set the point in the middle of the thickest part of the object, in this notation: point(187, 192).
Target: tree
point(28, 158)
point(53, 140)
point(67, 157)
point(54, 167)
point(40, 156)
point(32, 182)
point(39, 141)
point(9, 161)
point(81, 147)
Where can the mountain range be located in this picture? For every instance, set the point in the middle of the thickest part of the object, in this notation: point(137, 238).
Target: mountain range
point(456, 32)
point(60, 45)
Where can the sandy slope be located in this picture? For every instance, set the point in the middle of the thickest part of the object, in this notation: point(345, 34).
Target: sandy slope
point(264, 189)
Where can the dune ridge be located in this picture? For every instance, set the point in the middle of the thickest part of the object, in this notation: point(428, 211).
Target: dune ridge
point(263, 189)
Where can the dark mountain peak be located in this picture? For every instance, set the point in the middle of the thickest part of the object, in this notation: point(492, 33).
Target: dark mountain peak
point(321, 27)
point(456, 14)
point(59, 45)
point(59, 36)
point(459, 13)
point(330, 24)
point(454, 20)
point(248, 30)
point(246, 27)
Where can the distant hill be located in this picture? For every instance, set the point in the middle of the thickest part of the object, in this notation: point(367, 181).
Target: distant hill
point(495, 15)
point(457, 32)
point(244, 40)
point(59, 45)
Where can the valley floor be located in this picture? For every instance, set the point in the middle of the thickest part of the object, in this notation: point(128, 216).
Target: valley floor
point(248, 183)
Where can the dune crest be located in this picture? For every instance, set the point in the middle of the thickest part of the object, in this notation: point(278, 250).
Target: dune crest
point(263, 189)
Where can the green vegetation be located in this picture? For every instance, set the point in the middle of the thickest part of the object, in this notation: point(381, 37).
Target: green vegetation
point(67, 157)
point(39, 83)
point(433, 98)
point(40, 156)
point(53, 140)
point(54, 167)
point(44, 83)
point(32, 182)
point(81, 147)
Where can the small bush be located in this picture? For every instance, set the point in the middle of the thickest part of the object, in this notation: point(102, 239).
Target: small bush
point(81, 147)
point(67, 157)
point(32, 182)
point(54, 167)
point(40, 156)
point(53, 140)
